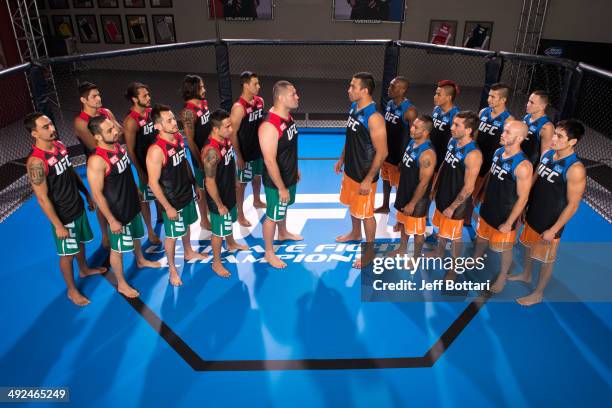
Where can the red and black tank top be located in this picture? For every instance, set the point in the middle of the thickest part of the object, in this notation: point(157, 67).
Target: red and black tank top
point(119, 189)
point(201, 123)
point(145, 135)
point(61, 182)
point(174, 179)
point(225, 177)
point(247, 133)
point(286, 152)
point(86, 117)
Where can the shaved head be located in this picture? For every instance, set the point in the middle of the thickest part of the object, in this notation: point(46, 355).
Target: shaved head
point(514, 133)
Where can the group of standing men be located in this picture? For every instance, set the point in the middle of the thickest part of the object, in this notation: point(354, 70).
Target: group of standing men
point(519, 171)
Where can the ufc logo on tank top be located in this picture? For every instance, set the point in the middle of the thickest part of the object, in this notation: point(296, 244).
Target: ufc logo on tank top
point(391, 117)
point(548, 174)
point(177, 157)
point(59, 166)
point(121, 164)
point(451, 159)
point(499, 171)
point(440, 124)
point(408, 159)
point(255, 115)
point(227, 156)
point(291, 132)
point(352, 124)
point(147, 128)
point(489, 128)
point(204, 117)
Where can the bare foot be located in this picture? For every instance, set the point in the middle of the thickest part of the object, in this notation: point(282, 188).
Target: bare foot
point(154, 239)
point(259, 204)
point(381, 210)
point(237, 247)
point(275, 261)
point(83, 273)
point(289, 237)
point(498, 286)
point(175, 279)
point(205, 224)
point(521, 277)
point(127, 291)
point(220, 270)
point(530, 300)
point(357, 263)
point(348, 237)
point(191, 255)
point(145, 263)
point(78, 299)
point(398, 251)
point(244, 222)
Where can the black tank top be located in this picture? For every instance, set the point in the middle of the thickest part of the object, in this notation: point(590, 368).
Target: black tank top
point(201, 124)
point(531, 146)
point(548, 196)
point(287, 150)
point(120, 189)
point(86, 118)
point(501, 194)
point(145, 136)
point(398, 130)
point(452, 177)
point(225, 177)
point(409, 179)
point(359, 151)
point(490, 130)
point(247, 133)
point(61, 182)
point(441, 132)
point(174, 180)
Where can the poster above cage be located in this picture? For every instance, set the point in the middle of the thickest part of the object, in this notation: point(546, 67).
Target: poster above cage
point(240, 10)
point(369, 11)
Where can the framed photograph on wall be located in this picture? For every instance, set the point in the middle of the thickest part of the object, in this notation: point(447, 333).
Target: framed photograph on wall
point(161, 3)
point(88, 28)
point(137, 28)
point(108, 3)
point(163, 29)
point(442, 32)
point(62, 26)
point(58, 4)
point(374, 11)
point(477, 34)
point(240, 10)
point(133, 3)
point(112, 29)
point(82, 3)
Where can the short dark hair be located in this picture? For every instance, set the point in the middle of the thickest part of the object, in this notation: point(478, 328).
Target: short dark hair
point(543, 95)
point(503, 88)
point(191, 87)
point(30, 120)
point(403, 79)
point(132, 90)
point(450, 87)
point(157, 111)
point(279, 87)
point(94, 124)
point(246, 76)
point(217, 118)
point(367, 81)
point(573, 128)
point(428, 121)
point(85, 88)
point(470, 120)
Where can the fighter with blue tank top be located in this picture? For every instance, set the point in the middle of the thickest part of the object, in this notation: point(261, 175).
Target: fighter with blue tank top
point(443, 114)
point(540, 127)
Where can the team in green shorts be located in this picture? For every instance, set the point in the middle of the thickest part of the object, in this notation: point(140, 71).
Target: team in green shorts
point(147, 194)
point(251, 169)
point(179, 227)
point(222, 225)
point(198, 174)
point(275, 210)
point(79, 232)
point(124, 241)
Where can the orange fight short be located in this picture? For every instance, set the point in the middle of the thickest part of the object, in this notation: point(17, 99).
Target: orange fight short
point(412, 225)
point(390, 173)
point(360, 206)
point(544, 251)
point(447, 227)
point(498, 241)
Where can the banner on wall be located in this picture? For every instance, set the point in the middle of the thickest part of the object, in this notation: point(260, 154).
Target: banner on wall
point(240, 10)
point(369, 11)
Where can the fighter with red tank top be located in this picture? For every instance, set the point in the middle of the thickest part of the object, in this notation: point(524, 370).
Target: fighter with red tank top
point(201, 126)
point(225, 175)
point(145, 135)
point(247, 133)
point(61, 182)
point(286, 152)
point(174, 179)
point(86, 117)
point(119, 190)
